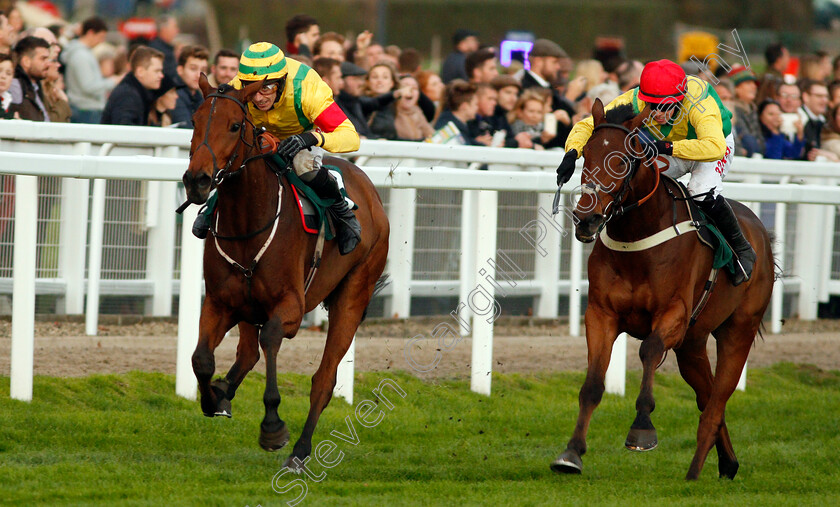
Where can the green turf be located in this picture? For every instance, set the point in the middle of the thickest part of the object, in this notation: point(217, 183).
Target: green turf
point(127, 439)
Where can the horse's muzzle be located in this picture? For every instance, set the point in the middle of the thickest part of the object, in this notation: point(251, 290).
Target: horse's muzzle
point(587, 228)
point(197, 185)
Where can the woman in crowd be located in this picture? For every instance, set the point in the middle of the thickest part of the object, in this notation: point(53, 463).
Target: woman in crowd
point(382, 82)
point(7, 74)
point(750, 139)
point(527, 116)
point(831, 132)
point(777, 145)
point(409, 122)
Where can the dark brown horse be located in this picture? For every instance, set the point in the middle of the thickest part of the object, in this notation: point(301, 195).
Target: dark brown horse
point(267, 298)
point(651, 293)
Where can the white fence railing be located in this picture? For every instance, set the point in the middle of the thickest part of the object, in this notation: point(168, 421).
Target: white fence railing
point(524, 233)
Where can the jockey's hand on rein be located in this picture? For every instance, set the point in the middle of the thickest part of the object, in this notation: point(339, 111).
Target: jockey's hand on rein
point(661, 147)
point(566, 167)
point(291, 146)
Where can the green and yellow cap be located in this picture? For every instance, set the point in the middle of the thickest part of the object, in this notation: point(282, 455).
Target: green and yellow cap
point(262, 60)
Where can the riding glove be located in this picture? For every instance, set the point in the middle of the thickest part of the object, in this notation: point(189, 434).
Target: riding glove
point(662, 147)
point(291, 146)
point(566, 167)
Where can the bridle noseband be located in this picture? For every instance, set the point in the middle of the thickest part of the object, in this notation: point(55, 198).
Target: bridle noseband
point(613, 210)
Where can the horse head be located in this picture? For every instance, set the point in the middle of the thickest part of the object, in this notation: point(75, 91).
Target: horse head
point(221, 136)
point(611, 157)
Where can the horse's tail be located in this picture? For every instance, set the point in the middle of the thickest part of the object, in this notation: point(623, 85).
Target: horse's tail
point(778, 272)
point(380, 284)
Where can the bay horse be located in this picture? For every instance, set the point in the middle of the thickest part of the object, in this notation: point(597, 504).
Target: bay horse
point(260, 286)
point(651, 293)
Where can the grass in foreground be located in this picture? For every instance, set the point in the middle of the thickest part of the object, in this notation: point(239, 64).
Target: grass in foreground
point(127, 439)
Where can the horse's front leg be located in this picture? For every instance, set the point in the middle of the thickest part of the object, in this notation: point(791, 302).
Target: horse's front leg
point(247, 355)
point(285, 322)
point(667, 331)
point(214, 322)
point(601, 332)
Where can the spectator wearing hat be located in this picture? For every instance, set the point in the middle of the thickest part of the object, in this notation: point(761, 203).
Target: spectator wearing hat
point(545, 58)
point(748, 139)
point(464, 43)
point(352, 100)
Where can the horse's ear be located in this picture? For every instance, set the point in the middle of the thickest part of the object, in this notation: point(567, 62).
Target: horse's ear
point(640, 119)
point(204, 85)
point(598, 116)
point(250, 90)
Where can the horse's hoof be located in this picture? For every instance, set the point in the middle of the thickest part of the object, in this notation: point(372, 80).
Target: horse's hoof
point(728, 470)
point(294, 464)
point(641, 440)
point(567, 463)
point(223, 408)
point(271, 441)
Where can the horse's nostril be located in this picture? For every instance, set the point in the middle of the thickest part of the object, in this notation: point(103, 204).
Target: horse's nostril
point(203, 180)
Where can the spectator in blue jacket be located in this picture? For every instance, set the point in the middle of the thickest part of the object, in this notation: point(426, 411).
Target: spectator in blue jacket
point(465, 42)
point(777, 145)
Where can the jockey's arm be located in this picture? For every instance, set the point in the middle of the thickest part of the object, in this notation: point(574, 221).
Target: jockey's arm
point(335, 132)
point(582, 130)
point(710, 144)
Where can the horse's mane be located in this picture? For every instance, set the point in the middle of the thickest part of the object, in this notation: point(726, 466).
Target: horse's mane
point(620, 114)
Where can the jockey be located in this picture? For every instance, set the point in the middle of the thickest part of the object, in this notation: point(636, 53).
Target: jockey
point(296, 105)
point(693, 130)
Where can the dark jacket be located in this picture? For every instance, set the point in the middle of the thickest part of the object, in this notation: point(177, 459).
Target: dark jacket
point(446, 116)
point(28, 108)
point(188, 103)
point(170, 65)
point(129, 103)
point(492, 124)
point(359, 109)
point(453, 67)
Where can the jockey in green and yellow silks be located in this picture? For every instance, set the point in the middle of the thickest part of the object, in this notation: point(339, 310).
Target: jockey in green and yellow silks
point(692, 129)
point(296, 106)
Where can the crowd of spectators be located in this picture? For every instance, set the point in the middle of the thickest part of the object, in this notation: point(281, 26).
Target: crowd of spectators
point(75, 72)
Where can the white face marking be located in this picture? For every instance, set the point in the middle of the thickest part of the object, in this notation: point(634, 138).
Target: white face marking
point(606, 143)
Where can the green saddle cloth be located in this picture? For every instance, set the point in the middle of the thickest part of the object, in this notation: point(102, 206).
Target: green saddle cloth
point(723, 256)
point(319, 203)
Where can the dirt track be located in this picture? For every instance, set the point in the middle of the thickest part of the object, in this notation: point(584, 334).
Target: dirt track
point(61, 349)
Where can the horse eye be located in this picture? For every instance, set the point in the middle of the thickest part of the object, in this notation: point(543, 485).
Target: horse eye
point(235, 127)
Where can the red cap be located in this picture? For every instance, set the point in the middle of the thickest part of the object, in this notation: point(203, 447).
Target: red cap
point(662, 81)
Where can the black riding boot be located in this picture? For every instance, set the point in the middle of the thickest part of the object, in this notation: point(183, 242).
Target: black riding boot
point(202, 222)
point(720, 211)
point(349, 232)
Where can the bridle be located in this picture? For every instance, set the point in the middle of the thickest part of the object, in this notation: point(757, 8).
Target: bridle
point(619, 195)
point(220, 174)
